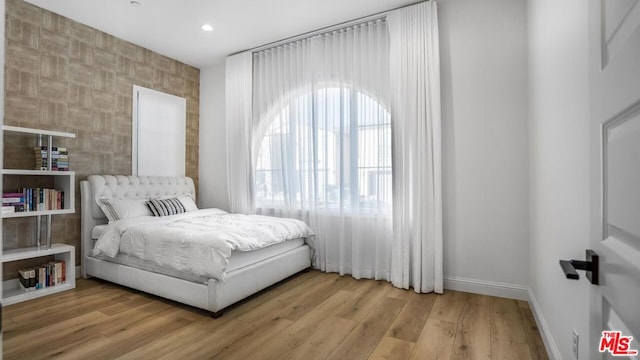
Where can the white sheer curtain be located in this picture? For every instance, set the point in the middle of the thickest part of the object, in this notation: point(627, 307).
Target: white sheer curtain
point(323, 144)
point(417, 189)
point(239, 127)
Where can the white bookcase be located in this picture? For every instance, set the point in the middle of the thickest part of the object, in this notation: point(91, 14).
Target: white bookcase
point(11, 291)
point(63, 180)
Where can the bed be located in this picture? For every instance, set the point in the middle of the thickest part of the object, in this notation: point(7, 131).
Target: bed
point(247, 272)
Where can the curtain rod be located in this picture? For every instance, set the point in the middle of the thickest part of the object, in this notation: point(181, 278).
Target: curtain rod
point(325, 29)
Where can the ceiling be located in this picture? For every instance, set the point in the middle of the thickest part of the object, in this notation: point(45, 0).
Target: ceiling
point(173, 28)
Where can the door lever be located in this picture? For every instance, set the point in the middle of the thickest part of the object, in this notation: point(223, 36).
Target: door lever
point(569, 267)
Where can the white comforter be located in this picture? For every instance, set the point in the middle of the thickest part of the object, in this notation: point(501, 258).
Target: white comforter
point(198, 242)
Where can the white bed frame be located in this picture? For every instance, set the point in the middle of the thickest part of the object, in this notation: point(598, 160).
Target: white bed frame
point(212, 296)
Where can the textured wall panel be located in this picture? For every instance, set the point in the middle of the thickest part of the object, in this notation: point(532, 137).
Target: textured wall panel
point(65, 76)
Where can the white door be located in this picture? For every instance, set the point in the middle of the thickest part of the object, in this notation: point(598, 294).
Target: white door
point(615, 176)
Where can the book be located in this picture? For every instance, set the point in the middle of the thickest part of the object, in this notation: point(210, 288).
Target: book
point(32, 278)
point(13, 203)
point(23, 277)
point(8, 209)
point(40, 277)
point(47, 268)
point(57, 272)
point(27, 279)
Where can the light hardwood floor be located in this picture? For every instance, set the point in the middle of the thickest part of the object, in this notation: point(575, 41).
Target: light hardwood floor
point(312, 315)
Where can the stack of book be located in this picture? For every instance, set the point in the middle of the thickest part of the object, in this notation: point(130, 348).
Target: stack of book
point(50, 274)
point(12, 202)
point(59, 158)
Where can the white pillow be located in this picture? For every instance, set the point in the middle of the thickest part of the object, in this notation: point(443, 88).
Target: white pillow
point(188, 203)
point(105, 206)
point(117, 209)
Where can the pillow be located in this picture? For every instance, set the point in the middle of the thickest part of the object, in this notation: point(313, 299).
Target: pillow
point(105, 206)
point(165, 207)
point(188, 203)
point(117, 209)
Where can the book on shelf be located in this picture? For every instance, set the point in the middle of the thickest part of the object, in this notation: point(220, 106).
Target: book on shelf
point(12, 202)
point(7, 209)
point(27, 279)
point(46, 275)
point(59, 158)
point(12, 198)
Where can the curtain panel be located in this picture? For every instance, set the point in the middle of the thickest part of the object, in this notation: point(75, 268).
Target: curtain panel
point(417, 254)
point(239, 128)
point(323, 145)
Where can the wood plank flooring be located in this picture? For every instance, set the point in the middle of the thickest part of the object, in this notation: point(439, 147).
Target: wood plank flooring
point(312, 315)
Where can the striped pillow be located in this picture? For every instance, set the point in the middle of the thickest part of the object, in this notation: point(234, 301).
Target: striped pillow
point(165, 207)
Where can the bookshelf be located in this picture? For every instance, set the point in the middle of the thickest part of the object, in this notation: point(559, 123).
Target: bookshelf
point(11, 291)
point(62, 180)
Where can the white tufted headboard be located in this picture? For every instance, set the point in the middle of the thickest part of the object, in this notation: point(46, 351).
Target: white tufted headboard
point(123, 187)
point(136, 187)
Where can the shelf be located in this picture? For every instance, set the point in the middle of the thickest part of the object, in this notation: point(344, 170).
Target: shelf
point(63, 180)
point(12, 293)
point(32, 252)
point(36, 172)
point(37, 213)
point(16, 295)
point(37, 131)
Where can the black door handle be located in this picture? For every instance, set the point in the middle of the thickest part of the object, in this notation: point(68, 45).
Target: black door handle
point(569, 267)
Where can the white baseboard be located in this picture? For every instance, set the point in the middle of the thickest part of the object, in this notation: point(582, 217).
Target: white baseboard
point(547, 338)
point(490, 288)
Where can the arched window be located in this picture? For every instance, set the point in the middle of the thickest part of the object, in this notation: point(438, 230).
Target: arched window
point(328, 149)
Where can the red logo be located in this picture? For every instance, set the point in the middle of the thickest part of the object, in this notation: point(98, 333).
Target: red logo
point(616, 343)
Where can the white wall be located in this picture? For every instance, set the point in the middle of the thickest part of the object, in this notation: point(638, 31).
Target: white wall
point(559, 157)
point(484, 83)
point(213, 142)
point(484, 70)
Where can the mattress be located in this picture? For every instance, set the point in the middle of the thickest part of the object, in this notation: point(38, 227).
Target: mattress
point(238, 259)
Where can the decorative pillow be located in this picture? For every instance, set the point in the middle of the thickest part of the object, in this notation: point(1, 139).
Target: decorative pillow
point(188, 203)
point(117, 209)
point(105, 206)
point(128, 208)
point(165, 207)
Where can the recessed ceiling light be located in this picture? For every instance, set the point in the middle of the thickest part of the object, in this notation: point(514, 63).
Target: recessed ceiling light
point(135, 3)
point(207, 27)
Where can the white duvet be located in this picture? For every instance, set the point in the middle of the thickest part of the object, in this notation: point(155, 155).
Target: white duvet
point(198, 242)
